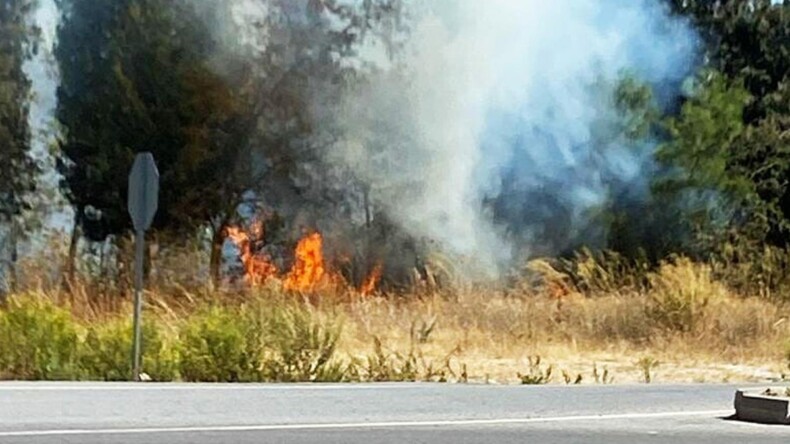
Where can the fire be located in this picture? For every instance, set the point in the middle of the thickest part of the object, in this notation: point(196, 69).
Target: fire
point(257, 268)
point(308, 268)
point(372, 281)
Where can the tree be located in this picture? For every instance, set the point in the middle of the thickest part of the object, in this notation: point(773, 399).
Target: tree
point(745, 39)
point(698, 183)
point(18, 170)
point(738, 149)
point(137, 76)
point(702, 135)
point(762, 155)
point(310, 60)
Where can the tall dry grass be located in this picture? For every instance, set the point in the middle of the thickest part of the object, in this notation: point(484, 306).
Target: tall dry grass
point(595, 318)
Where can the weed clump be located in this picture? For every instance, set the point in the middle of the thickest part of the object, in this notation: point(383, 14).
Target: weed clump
point(38, 340)
point(537, 374)
point(300, 347)
point(647, 364)
point(679, 293)
point(105, 353)
point(218, 345)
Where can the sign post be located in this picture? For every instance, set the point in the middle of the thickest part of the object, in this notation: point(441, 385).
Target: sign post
point(143, 203)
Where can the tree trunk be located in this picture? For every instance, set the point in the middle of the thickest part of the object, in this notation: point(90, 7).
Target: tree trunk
point(70, 266)
point(215, 261)
point(14, 244)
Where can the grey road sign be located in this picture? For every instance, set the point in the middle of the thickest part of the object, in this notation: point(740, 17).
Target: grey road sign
point(143, 191)
point(143, 203)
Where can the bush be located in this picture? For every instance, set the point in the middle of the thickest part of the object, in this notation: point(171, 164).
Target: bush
point(300, 347)
point(679, 293)
point(37, 340)
point(107, 350)
point(219, 345)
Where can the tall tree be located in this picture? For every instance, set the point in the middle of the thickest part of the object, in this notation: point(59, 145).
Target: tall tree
point(137, 76)
point(748, 39)
point(18, 170)
point(731, 145)
point(310, 59)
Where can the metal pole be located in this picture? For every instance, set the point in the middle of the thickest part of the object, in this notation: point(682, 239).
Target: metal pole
point(138, 302)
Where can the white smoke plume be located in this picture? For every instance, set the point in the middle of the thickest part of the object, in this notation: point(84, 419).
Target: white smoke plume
point(500, 101)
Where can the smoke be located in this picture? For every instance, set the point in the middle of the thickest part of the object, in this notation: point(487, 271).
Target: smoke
point(43, 75)
point(494, 132)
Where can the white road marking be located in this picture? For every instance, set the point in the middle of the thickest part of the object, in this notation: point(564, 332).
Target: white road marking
point(360, 425)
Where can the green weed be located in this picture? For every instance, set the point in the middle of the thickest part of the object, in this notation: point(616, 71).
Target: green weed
point(218, 345)
point(300, 347)
point(106, 352)
point(38, 340)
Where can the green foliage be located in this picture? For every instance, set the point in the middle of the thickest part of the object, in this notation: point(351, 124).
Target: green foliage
point(17, 169)
point(37, 340)
point(135, 76)
point(636, 105)
point(105, 354)
point(218, 345)
point(762, 155)
point(701, 138)
point(300, 346)
point(738, 149)
point(714, 184)
point(746, 39)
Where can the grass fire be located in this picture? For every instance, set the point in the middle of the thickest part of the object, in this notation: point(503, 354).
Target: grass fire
point(309, 272)
point(377, 190)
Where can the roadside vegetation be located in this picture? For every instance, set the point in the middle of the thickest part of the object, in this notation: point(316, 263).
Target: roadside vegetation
point(559, 322)
point(291, 240)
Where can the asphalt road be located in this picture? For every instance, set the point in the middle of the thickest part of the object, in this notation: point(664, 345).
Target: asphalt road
point(390, 413)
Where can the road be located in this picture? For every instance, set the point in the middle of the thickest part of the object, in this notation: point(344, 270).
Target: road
point(44, 413)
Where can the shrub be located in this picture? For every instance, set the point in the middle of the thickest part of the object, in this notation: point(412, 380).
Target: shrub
point(679, 293)
point(219, 345)
point(37, 340)
point(106, 352)
point(301, 345)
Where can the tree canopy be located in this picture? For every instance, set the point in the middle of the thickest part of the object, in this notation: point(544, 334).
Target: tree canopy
point(18, 170)
point(137, 76)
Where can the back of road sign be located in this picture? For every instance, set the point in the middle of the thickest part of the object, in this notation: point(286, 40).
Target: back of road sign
point(143, 191)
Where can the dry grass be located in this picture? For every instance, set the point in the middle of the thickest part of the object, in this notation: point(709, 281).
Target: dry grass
point(678, 318)
point(495, 336)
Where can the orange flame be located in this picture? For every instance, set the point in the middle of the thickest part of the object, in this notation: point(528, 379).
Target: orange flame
point(371, 282)
point(257, 268)
point(308, 268)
